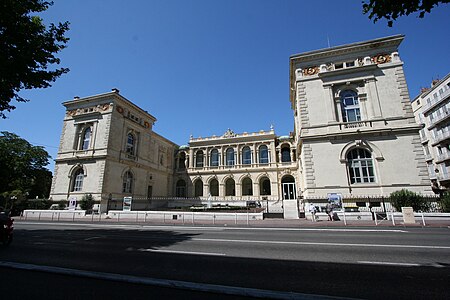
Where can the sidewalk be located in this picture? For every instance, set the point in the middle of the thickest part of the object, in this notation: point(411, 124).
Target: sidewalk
point(265, 223)
point(340, 224)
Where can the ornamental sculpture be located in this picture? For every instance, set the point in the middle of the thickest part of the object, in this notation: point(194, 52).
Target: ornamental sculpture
point(310, 71)
point(381, 58)
point(229, 133)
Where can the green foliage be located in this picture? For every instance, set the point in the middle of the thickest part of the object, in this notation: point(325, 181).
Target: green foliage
point(392, 9)
point(62, 204)
point(445, 203)
point(87, 202)
point(16, 201)
point(27, 49)
point(405, 198)
point(22, 167)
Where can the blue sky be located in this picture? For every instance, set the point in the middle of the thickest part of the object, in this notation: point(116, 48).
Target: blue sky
point(203, 66)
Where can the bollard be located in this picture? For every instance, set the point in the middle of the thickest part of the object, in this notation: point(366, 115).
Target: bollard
point(393, 220)
point(376, 219)
point(118, 217)
point(39, 216)
point(92, 217)
point(423, 220)
point(345, 220)
point(145, 218)
point(59, 215)
point(73, 217)
point(214, 219)
point(193, 222)
point(183, 218)
point(247, 217)
point(235, 218)
point(137, 216)
point(164, 218)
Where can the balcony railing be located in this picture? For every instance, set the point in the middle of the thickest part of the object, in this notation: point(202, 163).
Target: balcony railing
point(441, 137)
point(436, 101)
point(240, 166)
point(428, 157)
point(442, 117)
point(443, 157)
point(357, 124)
point(443, 176)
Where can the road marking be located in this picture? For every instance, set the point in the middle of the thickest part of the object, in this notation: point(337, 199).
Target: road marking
point(92, 238)
point(212, 228)
point(166, 283)
point(181, 252)
point(321, 243)
point(385, 263)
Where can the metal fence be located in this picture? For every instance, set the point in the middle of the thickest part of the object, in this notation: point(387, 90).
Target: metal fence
point(377, 204)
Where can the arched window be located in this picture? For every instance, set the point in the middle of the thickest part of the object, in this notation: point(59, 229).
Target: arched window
point(180, 189)
point(230, 157)
point(127, 183)
point(199, 159)
point(214, 158)
point(360, 166)
point(77, 179)
point(86, 138)
point(264, 186)
point(263, 154)
point(214, 187)
point(285, 154)
point(131, 143)
point(246, 156)
point(350, 106)
point(230, 187)
point(247, 187)
point(198, 188)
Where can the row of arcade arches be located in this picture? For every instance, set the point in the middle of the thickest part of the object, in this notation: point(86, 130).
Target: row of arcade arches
point(229, 187)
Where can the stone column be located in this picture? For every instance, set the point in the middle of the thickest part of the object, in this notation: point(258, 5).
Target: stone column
point(340, 112)
point(331, 107)
point(372, 97)
point(191, 158)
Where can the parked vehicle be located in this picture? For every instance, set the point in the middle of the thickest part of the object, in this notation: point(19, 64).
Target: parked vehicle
point(6, 228)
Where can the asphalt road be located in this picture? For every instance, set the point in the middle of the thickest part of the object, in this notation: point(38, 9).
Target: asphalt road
point(366, 263)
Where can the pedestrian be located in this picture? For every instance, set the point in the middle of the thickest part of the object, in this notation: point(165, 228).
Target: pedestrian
point(329, 210)
point(312, 210)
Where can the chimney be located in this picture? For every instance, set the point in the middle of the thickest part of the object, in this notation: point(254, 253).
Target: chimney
point(115, 90)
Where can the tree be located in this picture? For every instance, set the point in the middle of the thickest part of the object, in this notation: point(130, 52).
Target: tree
point(406, 198)
point(22, 167)
point(27, 50)
point(392, 9)
point(87, 202)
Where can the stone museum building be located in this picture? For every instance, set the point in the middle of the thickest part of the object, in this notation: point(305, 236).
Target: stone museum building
point(354, 134)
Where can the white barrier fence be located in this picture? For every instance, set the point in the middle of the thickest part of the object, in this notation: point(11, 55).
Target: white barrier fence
point(142, 216)
point(396, 218)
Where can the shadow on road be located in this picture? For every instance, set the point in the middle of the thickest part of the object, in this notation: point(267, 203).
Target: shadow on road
point(117, 251)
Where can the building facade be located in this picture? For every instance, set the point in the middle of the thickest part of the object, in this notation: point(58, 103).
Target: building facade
point(355, 131)
point(235, 168)
point(108, 149)
point(432, 111)
point(354, 135)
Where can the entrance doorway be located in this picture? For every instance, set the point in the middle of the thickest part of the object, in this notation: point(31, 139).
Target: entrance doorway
point(288, 187)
